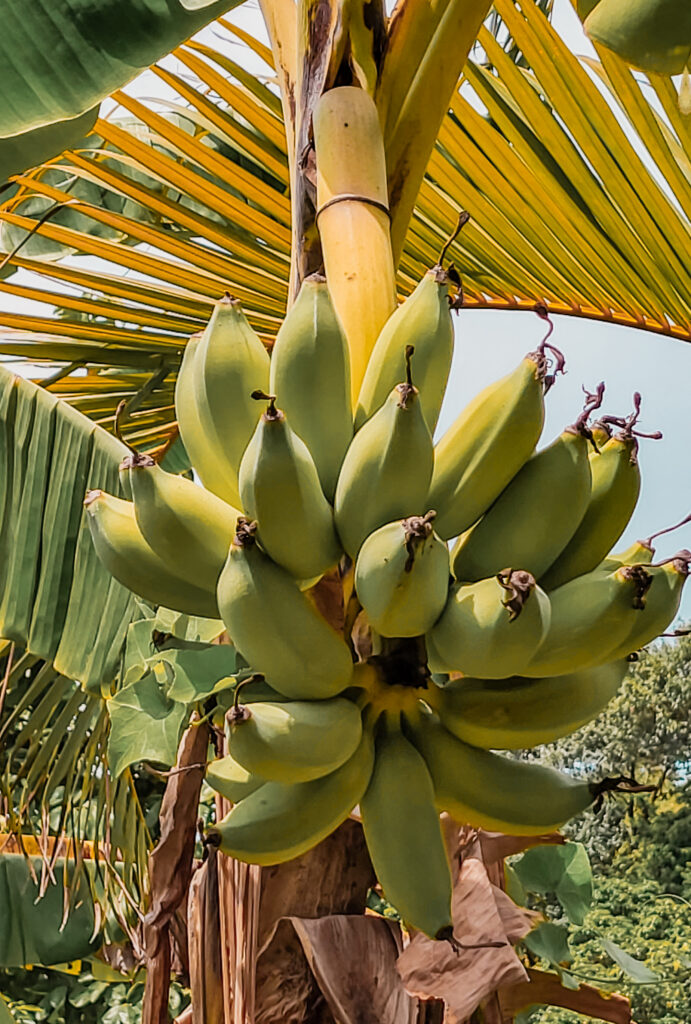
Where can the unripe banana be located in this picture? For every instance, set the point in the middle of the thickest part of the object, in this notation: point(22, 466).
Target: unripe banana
point(126, 555)
point(423, 320)
point(280, 488)
point(404, 837)
point(661, 604)
point(487, 445)
point(294, 742)
point(310, 372)
point(491, 629)
point(508, 714)
point(387, 468)
point(402, 577)
point(280, 821)
point(207, 461)
point(653, 35)
point(614, 494)
point(493, 792)
point(276, 627)
point(229, 364)
point(638, 553)
point(552, 489)
point(187, 526)
point(591, 616)
point(641, 552)
point(231, 780)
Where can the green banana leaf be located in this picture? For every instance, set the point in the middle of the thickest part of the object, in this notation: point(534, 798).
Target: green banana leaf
point(30, 927)
point(60, 58)
point(30, 148)
point(56, 600)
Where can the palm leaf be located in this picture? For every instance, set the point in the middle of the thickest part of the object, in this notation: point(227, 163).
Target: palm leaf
point(54, 741)
point(48, 104)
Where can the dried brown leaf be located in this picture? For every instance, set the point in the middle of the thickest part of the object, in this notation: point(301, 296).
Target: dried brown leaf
point(353, 960)
point(431, 969)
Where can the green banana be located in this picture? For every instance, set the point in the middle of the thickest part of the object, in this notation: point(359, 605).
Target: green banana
point(280, 488)
point(205, 458)
point(187, 526)
point(276, 627)
point(229, 364)
point(231, 780)
point(387, 469)
point(614, 495)
point(508, 714)
point(294, 742)
point(404, 836)
point(653, 35)
point(280, 820)
point(641, 552)
point(493, 792)
point(310, 371)
point(423, 320)
point(402, 577)
point(661, 605)
point(488, 443)
point(126, 555)
point(490, 629)
point(591, 616)
point(552, 489)
point(638, 553)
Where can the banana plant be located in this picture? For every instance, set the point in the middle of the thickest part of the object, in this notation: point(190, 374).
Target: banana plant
point(575, 173)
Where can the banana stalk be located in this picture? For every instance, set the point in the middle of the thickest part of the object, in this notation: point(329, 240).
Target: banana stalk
point(353, 219)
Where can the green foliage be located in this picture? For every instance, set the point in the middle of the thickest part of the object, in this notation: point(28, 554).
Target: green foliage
point(636, 936)
point(91, 996)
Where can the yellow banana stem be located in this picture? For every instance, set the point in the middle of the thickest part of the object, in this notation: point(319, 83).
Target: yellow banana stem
point(413, 106)
point(353, 219)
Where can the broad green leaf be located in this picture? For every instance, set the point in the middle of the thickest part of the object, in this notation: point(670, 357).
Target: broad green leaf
point(550, 941)
point(94, 49)
point(635, 969)
point(56, 599)
point(33, 147)
point(30, 928)
point(562, 870)
point(145, 725)
point(198, 674)
point(187, 627)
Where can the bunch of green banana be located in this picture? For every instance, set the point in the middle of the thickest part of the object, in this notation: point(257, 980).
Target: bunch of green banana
point(553, 486)
point(348, 698)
